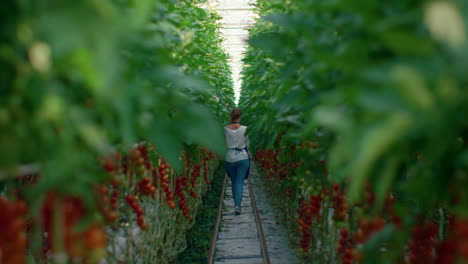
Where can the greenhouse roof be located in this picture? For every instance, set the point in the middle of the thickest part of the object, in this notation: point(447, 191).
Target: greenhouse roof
point(237, 16)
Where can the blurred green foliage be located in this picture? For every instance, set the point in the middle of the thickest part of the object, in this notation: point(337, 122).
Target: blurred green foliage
point(82, 78)
point(381, 85)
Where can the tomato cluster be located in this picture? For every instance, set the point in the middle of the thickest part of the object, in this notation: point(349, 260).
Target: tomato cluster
point(115, 195)
point(307, 212)
point(446, 252)
point(143, 151)
point(338, 203)
point(110, 164)
point(283, 171)
point(422, 243)
point(138, 210)
point(206, 156)
point(461, 236)
point(345, 247)
point(164, 170)
point(195, 175)
point(368, 227)
point(268, 160)
point(182, 183)
point(455, 244)
point(145, 188)
point(13, 240)
point(107, 205)
point(63, 214)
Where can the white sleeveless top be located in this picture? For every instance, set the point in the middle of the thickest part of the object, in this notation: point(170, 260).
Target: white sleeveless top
point(236, 140)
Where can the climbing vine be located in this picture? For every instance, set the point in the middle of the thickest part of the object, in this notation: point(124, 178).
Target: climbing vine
point(357, 111)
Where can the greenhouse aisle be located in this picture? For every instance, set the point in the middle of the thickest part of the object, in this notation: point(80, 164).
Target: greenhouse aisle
point(113, 138)
point(239, 240)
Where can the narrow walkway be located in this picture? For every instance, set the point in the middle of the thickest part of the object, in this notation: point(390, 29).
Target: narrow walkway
point(275, 235)
point(238, 241)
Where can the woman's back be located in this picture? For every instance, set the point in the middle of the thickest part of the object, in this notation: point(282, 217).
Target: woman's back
point(237, 157)
point(235, 137)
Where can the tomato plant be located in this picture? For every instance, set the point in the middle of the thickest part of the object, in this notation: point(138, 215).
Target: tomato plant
point(109, 110)
point(362, 103)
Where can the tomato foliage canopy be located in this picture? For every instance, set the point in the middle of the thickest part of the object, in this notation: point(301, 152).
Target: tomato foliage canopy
point(108, 99)
point(375, 90)
point(81, 79)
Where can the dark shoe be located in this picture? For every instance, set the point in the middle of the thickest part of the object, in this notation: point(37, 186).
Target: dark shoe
point(237, 210)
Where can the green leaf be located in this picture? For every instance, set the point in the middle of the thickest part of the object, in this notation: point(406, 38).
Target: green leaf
point(374, 143)
point(167, 143)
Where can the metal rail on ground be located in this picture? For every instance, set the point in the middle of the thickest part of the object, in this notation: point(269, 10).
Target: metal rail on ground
point(266, 257)
point(261, 235)
point(216, 227)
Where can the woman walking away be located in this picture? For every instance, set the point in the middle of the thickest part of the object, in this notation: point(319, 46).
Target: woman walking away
point(237, 162)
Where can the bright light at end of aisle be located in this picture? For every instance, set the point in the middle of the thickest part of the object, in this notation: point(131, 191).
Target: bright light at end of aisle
point(237, 17)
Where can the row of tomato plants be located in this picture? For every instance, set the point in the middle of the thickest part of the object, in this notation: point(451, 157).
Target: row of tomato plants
point(143, 211)
point(83, 79)
point(326, 227)
point(357, 111)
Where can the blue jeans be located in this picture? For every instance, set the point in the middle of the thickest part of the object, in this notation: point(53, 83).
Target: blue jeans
point(237, 171)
